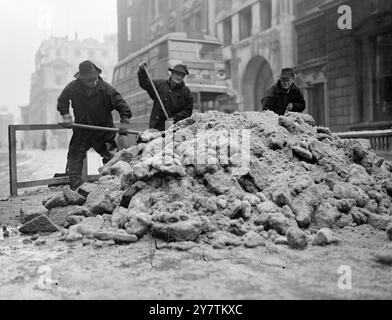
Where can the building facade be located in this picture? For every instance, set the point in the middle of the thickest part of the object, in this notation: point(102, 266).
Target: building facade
point(346, 74)
point(56, 62)
point(141, 22)
point(257, 37)
point(6, 118)
point(258, 40)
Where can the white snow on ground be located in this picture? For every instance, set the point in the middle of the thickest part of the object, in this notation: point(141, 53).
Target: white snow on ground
point(37, 164)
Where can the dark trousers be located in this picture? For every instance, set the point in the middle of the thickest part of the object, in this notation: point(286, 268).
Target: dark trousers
point(81, 141)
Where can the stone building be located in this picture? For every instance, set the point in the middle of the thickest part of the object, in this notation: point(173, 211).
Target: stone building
point(141, 22)
point(346, 74)
point(6, 118)
point(257, 37)
point(56, 62)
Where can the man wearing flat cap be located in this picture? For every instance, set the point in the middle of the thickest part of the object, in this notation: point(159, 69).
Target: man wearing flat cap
point(92, 100)
point(284, 96)
point(176, 97)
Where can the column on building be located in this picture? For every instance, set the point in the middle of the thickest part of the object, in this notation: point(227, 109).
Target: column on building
point(219, 31)
point(287, 34)
point(288, 9)
point(275, 12)
point(211, 17)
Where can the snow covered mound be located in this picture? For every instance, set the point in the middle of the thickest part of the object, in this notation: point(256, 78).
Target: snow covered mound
point(240, 179)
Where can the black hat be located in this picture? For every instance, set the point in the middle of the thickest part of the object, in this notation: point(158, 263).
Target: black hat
point(287, 73)
point(180, 68)
point(87, 70)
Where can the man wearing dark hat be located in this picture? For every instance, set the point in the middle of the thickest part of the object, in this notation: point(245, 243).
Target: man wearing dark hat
point(284, 96)
point(92, 100)
point(175, 95)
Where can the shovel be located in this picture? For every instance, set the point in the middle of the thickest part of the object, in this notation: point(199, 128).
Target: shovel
point(90, 127)
point(168, 123)
point(121, 143)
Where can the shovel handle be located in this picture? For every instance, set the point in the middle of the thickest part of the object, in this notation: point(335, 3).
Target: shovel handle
point(156, 93)
point(85, 126)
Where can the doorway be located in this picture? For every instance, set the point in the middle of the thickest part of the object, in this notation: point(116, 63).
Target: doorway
point(258, 77)
point(317, 103)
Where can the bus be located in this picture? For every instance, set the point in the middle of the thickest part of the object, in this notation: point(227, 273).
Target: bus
point(206, 78)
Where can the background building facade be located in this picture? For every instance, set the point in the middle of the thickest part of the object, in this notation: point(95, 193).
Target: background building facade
point(346, 74)
point(6, 118)
point(141, 22)
point(56, 62)
point(257, 37)
point(258, 40)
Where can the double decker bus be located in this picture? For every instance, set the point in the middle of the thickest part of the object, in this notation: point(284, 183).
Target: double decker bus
point(206, 78)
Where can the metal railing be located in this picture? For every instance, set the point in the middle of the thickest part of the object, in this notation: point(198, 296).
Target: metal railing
point(380, 140)
point(14, 184)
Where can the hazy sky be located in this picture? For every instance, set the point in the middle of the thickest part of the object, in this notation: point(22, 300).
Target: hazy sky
point(25, 23)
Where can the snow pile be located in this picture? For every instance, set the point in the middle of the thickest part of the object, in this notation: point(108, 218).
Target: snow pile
point(232, 179)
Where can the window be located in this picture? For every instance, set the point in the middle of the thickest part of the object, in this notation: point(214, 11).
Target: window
point(227, 32)
point(121, 74)
point(245, 23)
point(193, 24)
point(382, 77)
point(129, 29)
point(228, 68)
point(265, 14)
point(163, 50)
point(58, 53)
point(316, 95)
point(128, 68)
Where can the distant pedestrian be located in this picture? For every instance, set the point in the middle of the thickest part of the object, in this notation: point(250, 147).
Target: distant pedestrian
point(44, 142)
point(92, 100)
point(284, 96)
point(175, 95)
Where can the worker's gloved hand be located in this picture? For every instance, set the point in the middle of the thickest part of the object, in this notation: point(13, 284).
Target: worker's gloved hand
point(168, 123)
point(143, 65)
point(67, 121)
point(124, 123)
point(290, 107)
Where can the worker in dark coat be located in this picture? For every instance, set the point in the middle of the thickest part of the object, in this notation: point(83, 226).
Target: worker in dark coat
point(284, 96)
point(92, 100)
point(175, 96)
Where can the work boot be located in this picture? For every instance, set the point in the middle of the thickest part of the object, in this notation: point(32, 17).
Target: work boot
point(75, 182)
